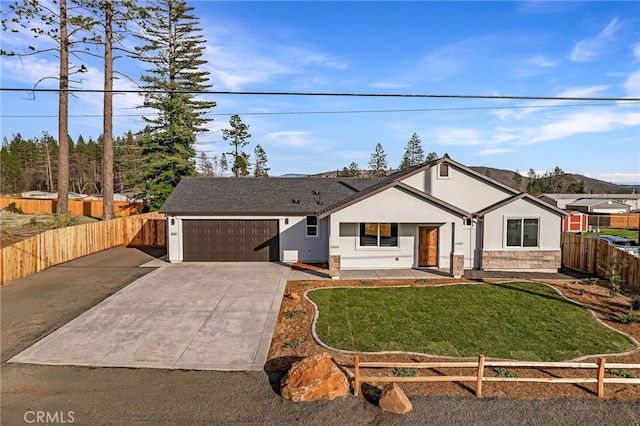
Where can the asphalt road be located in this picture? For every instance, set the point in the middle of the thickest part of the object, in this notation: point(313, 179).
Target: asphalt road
point(38, 394)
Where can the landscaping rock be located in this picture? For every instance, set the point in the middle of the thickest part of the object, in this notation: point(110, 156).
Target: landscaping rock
point(293, 296)
point(394, 400)
point(314, 378)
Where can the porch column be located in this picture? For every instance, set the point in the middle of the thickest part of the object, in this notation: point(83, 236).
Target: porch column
point(334, 248)
point(456, 258)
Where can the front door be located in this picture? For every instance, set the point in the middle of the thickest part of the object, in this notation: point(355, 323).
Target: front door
point(428, 246)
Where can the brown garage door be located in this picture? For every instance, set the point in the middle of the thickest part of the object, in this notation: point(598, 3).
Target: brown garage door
point(230, 240)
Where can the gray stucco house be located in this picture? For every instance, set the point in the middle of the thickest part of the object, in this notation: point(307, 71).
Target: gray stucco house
point(440, 214)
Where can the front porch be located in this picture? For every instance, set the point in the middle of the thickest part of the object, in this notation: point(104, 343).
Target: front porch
point(313, 272)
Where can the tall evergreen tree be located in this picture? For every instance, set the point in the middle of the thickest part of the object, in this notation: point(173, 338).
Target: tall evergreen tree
point(58, 22)
point(378, 162)
point(432, 156)
point(352, 170)
point(413, 154)
point(174, 47)
point(260, 169)
point(238, 136)
point(206, 166)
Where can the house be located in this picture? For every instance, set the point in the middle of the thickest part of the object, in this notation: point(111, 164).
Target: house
point(598, 206)
point(440, 214)
point(562, 201)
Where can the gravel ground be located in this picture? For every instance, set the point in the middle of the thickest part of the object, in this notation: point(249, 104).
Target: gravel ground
point(33, 307)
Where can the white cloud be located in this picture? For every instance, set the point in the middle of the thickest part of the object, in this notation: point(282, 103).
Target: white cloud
point(293, 139)
point(493, 151)
point(589, 49)
point(636, 50)
point(458, 136)
point(617, 177)
point(589, 121)
point(632, 85)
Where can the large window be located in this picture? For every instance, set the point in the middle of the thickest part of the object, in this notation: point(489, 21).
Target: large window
point(312, 226)
point(522, 232)
point(378, 235)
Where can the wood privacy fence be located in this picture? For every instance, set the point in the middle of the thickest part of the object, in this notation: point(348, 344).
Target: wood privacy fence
point(61, 245)
point(80, 207)
point(616, 220)
point(479, 378)
point(592, 256)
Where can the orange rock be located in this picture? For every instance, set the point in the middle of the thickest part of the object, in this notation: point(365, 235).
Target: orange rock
point(314, 378)
point(394, 400)
point(293, 296)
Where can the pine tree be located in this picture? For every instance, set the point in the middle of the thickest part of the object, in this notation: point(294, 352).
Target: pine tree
point(224, 164)
point(206, 166)
point(432, 156)
point(517, 180)
point(352, 170)
point(260, 169)
point(413, 154)
point(174, 47)
point(237, 137)
point(378, 162)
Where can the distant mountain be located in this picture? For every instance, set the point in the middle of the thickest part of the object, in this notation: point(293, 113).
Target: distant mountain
point(591, 186)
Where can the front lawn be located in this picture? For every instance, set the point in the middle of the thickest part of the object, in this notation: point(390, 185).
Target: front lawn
point(524, 321)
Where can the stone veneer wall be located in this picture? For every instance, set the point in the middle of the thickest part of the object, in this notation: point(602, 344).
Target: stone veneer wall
point(456, 265)
point(521, 260)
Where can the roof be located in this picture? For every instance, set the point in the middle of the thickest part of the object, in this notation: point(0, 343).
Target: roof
point(260, 196)
point(587, 202)
point(395, 178)
point(593, 196)
point(521, 196)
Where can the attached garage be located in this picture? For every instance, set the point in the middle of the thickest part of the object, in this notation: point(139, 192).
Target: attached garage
point(227, 240)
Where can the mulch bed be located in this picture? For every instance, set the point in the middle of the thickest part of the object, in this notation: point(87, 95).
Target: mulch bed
point(593, 297)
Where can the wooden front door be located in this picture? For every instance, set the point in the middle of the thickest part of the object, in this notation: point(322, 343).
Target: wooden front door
point(428, 246)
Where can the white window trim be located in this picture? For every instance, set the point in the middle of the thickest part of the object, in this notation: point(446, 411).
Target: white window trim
point(306, 228)
point(378, 247)
point(522, 219)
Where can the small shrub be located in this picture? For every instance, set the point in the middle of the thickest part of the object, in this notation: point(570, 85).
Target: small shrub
point(590, 281)
point(33, 221)
point(628, 318)
point(365, 282)
point(404, 372)
point(62, 220)
point(505, 372)
point(621, 373)
point(294, 343)
point(293, 314)
point(635, 302)
point(12, 208)
point(305, 284)
point(582, 292)
point(613, 273)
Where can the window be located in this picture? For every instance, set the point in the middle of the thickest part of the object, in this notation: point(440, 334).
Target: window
point(312, 226)
point(443, 170)
point(522, 232)
point(378, 235)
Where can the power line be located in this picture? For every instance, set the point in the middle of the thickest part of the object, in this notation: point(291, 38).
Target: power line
point(328, 94)
point(625, 101)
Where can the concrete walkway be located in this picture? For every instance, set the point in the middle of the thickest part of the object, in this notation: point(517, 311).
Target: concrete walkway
point(202, 316)
point(368, 274)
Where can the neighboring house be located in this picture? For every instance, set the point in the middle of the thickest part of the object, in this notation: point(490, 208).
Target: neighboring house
point(563, 200)
point(596, 206)
point(440, 214)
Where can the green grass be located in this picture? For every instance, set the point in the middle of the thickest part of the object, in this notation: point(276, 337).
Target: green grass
point(619, 232)
point(524, 321)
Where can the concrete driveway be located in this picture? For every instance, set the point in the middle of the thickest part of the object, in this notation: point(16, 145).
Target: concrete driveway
point(202, 316)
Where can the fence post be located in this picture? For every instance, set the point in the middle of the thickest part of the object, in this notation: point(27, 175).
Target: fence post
point(480, 374)
point(601, 363)
point(356, 378)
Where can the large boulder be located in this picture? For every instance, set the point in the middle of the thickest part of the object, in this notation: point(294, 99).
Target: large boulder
point(394, 400)
point(314, 378)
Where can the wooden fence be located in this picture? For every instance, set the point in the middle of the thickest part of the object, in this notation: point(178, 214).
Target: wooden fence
point(479, 378)
point(592, 256)
point(61, 245)
point(79, 207)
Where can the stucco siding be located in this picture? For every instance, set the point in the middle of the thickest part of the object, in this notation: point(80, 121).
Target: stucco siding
point(495, 225)
point(295, 246)
point(460, 189)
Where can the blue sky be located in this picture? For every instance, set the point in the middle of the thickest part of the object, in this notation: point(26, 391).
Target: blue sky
point(539, 48)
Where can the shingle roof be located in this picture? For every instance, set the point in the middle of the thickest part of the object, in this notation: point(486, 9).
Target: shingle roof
point(260, 196)
point(522, 195)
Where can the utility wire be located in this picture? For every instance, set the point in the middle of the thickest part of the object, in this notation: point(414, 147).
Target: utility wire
point(625, 101)
point(332, 94)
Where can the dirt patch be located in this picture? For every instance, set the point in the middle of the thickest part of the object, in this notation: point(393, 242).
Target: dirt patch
point(292, 340)
point(16, 227)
